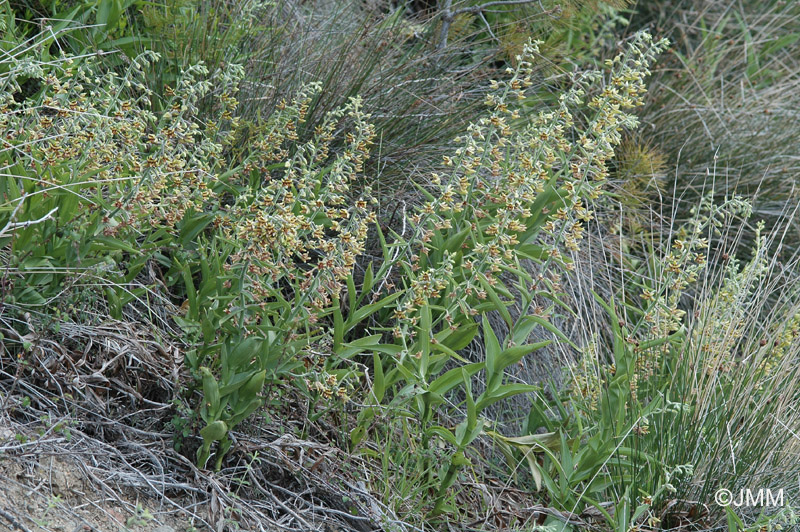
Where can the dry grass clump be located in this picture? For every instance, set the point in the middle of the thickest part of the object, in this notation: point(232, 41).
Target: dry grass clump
point(419, 98)
point(726, 100)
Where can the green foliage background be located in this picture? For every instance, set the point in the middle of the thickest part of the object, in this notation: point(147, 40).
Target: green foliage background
point(324, 206)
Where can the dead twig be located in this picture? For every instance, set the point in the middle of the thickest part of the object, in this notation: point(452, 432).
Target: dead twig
point(10, 518)
point(448, 14)
point(12, 225)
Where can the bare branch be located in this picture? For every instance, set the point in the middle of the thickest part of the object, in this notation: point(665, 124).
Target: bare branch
point(447, 19)
point(448, 15)
point(495, 3)
point(11, 225)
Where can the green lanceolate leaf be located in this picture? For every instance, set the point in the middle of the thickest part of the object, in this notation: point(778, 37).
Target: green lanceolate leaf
point(378, 382)
point(499, 304)
point(472, 411)
point(362, 313)
point(504, 392)
point(367, 343)
point(253, 386)
point(338, 325)
point(214, 431)
point(548, 441)
point(366, 286)
point(538, 320)
point(492, 349)
point(424, 341)
point(512, 355)
point(210, 392)
point(453, 378)
point(234, 383)
point(453, 244)
point(242, 355)
point(243, 410)
point(444, 433)
point(460, 338)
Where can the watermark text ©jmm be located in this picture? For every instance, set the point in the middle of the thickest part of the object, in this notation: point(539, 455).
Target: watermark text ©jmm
point(747, 497)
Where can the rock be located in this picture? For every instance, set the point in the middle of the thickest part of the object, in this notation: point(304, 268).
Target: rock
point(6, 434)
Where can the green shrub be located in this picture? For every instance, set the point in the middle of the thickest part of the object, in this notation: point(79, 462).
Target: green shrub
point(511, 195)
point(98, 188)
